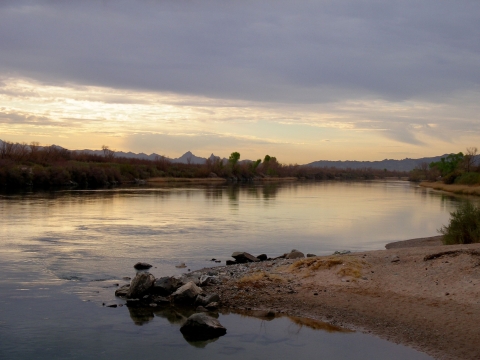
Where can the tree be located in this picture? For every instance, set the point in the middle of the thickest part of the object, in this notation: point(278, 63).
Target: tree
point(470, 158)
point(233, 159)
point(448, 165)
point(107, 153)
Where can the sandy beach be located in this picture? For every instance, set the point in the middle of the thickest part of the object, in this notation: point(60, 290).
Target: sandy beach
point(417, 292)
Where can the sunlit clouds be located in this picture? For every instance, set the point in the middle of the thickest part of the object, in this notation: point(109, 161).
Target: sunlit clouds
point(300, 81)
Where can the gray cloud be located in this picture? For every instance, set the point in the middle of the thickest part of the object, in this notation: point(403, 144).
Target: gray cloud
point(279, 51)
point(10, 117)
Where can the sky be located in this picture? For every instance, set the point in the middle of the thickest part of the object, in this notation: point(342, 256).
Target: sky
point(298, 80)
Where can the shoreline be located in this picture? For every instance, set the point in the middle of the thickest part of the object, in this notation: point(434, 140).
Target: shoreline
point(405, 294)
point(452, 188)
point(215, 180)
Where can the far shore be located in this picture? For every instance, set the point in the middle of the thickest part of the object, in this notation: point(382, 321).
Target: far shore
point(213, 180)
point(452, 188)
point(416, 292)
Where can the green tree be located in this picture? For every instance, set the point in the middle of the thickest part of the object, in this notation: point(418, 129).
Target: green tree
point(233, 160)
point(448, 165)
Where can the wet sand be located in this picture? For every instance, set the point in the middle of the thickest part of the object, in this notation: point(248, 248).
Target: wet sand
point(418, 292)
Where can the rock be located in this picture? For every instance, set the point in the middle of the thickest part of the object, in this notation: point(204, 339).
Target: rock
point(165, 286)
point(200, 326)
point(231, 262)
point(201, 309)
point(212, 175)
point(262, 257)
point(181, 266)
point(295, 254)
point(395, 258)
point(186, 293)
point(112, 306)
point(311, 255)
point(140, 285)
point(122, 291)
point(142, 266)
point(207, 280)
point(244, 257)
point(160, 300)
point(342, 252)
point(205, 299)
point(212, 306)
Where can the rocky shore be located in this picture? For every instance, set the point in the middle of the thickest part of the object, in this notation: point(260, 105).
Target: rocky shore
point(425, 295)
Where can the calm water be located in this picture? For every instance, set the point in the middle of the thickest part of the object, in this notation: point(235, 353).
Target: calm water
point(62, 253)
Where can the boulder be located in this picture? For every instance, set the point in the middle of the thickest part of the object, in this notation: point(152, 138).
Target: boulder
point(231, 262)
point(311, 255)
point(160, 300)
point(262, 257)
point(244, 257)
point(205, 299)
point(165, 286)
point(208, 280)
point(295, 254)
point(122, 291)
point(186, 293)
point(200, 327)
point(140, 285)
point(142, 266)
point(212, 306)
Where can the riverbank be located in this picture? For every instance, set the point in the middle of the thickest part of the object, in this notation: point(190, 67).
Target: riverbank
point(452, 188)
point(419, 295)
point(213, 180)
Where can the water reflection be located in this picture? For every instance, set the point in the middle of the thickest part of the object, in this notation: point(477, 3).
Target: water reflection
point(177, 315)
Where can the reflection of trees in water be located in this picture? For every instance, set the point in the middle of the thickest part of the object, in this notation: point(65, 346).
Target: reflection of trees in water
point(270, 191)
point(214, 193)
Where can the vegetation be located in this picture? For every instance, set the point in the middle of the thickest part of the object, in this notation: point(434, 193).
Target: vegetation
point(36, 166)
point(464, 227)
point(460, 169)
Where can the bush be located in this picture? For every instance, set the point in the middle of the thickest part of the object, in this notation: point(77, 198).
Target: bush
point(464, 227)
point(468, 178)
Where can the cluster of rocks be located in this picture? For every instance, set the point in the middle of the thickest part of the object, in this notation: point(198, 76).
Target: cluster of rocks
point(145, 290)
point(245, 257)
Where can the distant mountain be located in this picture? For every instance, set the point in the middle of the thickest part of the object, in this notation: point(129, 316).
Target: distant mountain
point(389, 164)
point(189, 158)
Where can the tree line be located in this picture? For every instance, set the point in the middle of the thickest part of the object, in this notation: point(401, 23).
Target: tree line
point(461, 168)
point(31, 165)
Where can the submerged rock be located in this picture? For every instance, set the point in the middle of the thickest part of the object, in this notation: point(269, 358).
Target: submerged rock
point(140, 285)
point(122, 291)
point(200, 326)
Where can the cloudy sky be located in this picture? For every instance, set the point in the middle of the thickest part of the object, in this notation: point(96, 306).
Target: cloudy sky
point(299, 80)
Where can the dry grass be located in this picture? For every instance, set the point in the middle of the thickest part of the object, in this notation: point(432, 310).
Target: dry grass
point(348, 265)
point(453, 188)
point(258, 279)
